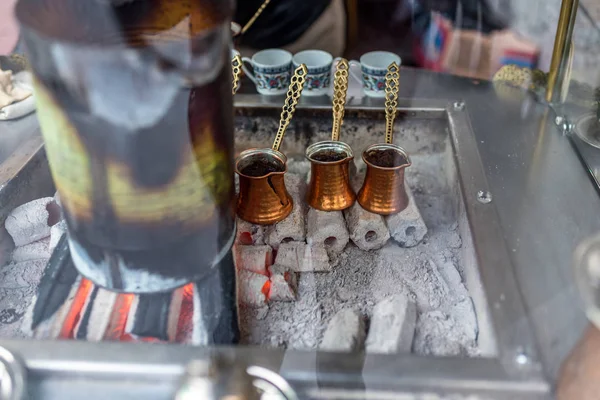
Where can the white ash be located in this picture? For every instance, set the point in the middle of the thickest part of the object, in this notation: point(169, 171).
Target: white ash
point(283, 283)
point(361, 280)
point(299, 167)
point(454, 239)
point(294, 325)
point(429, 274)
point(251, 286)
point(39, 250)
point(18, 286)
point(392, 326)
point(367, 230)
point(407, 227)
point(6, 246)
point(327, 228)
point(345, 332)
point(253, 258)
point(32, 221)
point(56, 232)
point(26, 243)
point(301, 257)
point(27, 320)
point(294, 226)
point(439, 334)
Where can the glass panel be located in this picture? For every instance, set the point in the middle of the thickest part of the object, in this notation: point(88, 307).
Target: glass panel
point(395, 176)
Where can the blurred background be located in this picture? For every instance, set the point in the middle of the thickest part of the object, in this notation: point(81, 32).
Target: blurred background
point(466, 37)
point(473, 37)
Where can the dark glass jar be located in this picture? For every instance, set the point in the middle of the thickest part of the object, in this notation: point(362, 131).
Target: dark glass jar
point(135, 106)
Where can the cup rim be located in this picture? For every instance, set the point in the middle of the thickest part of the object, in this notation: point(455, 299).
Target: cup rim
point(365, 64)
point(282, 64)
point(321, 52)
point(331, 145)
point(251, 152)
point(386, 146)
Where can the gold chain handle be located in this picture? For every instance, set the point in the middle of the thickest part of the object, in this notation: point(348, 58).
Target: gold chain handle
point(255, 16)
point(236, 66)
point(291, 100)
point(392, 85)
point(340, 89)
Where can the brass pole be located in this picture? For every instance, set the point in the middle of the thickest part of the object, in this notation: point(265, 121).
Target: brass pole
point(564, 33)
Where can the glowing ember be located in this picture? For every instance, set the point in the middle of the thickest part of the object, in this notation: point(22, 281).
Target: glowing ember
point(116, 326)
point(266, 289)
point(184, 324)
point(245, 238)
point(68, 328)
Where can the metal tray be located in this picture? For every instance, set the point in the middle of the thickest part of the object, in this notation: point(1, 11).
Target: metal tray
point(509, 369)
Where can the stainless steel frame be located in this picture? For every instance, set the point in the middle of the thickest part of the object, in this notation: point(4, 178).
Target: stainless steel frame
point(528, 203)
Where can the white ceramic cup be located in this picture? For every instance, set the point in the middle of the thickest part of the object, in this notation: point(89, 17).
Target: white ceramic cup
point(272, 71)
point(374, 67)
point(318, 63)
point(236, 29)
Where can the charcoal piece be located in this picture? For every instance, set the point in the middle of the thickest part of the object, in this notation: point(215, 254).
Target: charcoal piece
point(10, 316)
point(407, 227)
point(152, 316)
point(294, 226)
point(32, 221)
point(82, 327)
point(59, 276)
point(217, 292)
point(392, 326)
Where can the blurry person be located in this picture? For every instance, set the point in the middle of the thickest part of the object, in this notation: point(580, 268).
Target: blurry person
point(293, 25)
point(9, 30)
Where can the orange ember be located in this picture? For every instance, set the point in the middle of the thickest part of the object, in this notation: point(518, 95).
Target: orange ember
point(266, 289)
point(186, 315)
point(118, 320)
point(68, 328)
point(115, 330)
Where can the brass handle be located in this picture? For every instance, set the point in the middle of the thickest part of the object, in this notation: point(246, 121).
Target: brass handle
point(291, 100)
point(392, 85)
point(236, 66)
point(340, 89)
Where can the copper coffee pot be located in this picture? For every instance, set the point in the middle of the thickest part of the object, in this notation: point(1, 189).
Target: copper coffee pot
point(383, 190)
point(329, 188)
point(263, 198)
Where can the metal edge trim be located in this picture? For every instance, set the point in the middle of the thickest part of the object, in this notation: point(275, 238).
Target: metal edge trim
point(354, 373)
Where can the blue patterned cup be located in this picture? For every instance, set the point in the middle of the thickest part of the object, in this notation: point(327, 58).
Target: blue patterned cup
point(374, 67)
point(318, 63)
point(272, 71)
